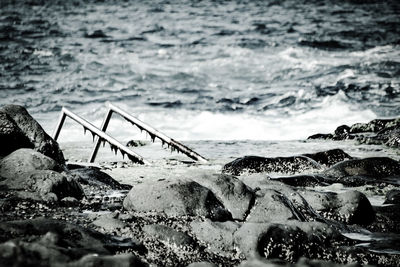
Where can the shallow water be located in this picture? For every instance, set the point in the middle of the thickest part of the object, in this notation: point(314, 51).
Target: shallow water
point(260, 70)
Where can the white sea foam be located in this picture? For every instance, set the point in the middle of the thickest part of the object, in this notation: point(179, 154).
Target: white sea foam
point(192, 125)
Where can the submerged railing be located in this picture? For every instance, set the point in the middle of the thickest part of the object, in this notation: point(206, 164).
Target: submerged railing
point(99, 135)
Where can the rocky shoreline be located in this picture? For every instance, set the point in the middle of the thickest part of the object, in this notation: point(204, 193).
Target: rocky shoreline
point(257, 211)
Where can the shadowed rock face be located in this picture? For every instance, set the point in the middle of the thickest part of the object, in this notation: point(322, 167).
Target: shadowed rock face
point(94, 177)
point(11, 136)
point(40, 140)
point(233, 193)
point(284, 165)
point(47, 242)
point(176, 198)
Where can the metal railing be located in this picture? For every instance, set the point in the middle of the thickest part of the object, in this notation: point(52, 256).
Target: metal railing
point(101, 136)
point(173, 144)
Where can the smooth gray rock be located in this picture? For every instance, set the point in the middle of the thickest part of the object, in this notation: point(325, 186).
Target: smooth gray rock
point(168, 234)
point(41, 141)
point(281, 165)
point(176, 198)
point(273, 206)
point(216, 236)
point(25, 160)
point(375, 167)
point(233, 193)
point(11, 136)
point(32, 175)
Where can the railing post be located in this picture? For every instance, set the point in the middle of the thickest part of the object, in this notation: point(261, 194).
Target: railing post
point(60, 124)
point(104, 126)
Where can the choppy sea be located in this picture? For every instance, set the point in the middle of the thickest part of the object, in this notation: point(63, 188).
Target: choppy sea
point(222, 71)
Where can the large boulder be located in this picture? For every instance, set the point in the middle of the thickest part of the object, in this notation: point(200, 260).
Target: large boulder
point(350, 207)
point(177, 197)
point(11, 136)
point(233, 193)
point(30, 174)
point(25, 160)
point(281, 165)
point(288, 241)
point(44, 185)
point(41, 141)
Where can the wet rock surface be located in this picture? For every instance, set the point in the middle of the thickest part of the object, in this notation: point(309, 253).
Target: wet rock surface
point(283, 165)
point(316, 209)
point(176, 198)
point(378, 131)
point(30, 174)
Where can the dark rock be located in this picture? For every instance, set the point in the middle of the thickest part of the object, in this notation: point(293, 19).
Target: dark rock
point(302, 180)
point(69, 240)
point(168, 234)
point(96, 34)
point(288, 241)
point(136, 143)
point(392, 197)
point(329, 157)
point(94, 177)
point(216, 236)
point(387, 136)
point(350, 207)
point(120, 260)
point(341, 133)
point(379, 167)
point(321, 136)
point(176, 198)
point(285, 165)
point(374, 125)
point(11, 136)
point(302, 262)
point(233, 193)
point(41, 141)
